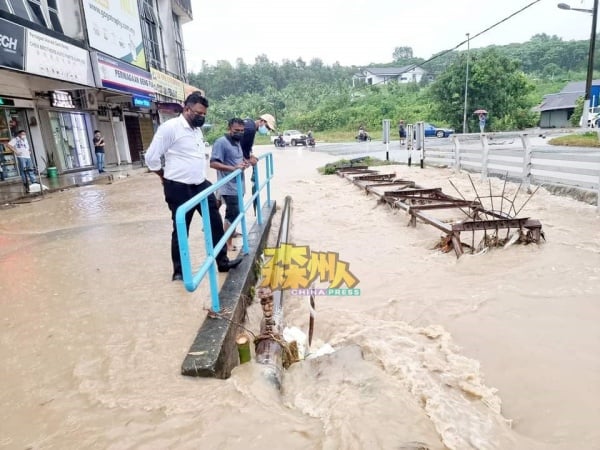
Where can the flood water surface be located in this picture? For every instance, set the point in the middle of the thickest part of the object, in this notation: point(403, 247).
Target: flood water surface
point(498, 350)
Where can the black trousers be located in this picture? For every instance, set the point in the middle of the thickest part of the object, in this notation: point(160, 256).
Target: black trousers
point(177, 194)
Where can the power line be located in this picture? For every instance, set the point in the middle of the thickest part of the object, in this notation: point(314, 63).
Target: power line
point(445, 52)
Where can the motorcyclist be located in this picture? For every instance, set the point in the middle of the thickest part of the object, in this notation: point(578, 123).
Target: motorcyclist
point(280, 142)
point(362, 134)
point(310, 140)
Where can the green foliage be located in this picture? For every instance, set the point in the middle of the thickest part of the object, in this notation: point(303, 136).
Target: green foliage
point(505, 80)
point(496, 84)
point(331, 168)
point(577, 112)
point(587, 139)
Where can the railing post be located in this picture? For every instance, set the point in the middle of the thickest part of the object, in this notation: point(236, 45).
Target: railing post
point(598, 199)
point(242, 209)
point(484, 156)
point(257, 203)
point(210, 252)
point(269, 166)
point(410, 140)
point(456, 143)
point(526, 176)
point(192, 280)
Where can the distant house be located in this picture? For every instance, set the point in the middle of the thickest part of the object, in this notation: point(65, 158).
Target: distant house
point(382, 75)
point(556, 109)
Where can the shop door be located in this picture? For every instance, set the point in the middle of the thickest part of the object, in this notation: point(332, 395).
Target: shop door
point(11, 121)
point(70, 135)
point(134, 137)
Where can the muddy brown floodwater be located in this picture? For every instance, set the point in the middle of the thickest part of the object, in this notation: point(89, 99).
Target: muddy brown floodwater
point(498, 350)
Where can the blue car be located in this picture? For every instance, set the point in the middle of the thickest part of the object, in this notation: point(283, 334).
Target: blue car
point(431, 131)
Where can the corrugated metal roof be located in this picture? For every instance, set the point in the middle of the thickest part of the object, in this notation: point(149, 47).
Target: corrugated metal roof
point(559, 101)
point(578, 86)
point(389, 71)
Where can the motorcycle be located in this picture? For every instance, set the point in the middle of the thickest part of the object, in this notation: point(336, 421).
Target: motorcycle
point(310, 141)
point(279, 141)
point(363, 136)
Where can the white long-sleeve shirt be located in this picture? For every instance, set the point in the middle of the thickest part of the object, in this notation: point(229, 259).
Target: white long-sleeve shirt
point(183, 149)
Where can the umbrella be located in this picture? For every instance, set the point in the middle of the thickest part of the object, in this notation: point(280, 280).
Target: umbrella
point(480, 111)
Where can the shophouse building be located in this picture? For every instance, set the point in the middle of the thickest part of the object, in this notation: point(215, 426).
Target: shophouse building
point(70, 67)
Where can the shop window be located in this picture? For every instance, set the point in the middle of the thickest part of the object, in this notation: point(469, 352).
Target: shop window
point(54, 17)
point(43, 13)
point(19, 8)
point(36, 8)
point(11, 121)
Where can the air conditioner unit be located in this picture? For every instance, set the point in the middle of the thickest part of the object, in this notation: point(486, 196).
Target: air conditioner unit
point(87, 100)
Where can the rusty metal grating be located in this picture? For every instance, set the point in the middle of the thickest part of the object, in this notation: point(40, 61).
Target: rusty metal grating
point(493, 226)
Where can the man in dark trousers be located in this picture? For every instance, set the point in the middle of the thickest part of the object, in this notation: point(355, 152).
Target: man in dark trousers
point(401, 132)
point(99, 150)
point(227, 156)
point(181, 142)
point(262, 125)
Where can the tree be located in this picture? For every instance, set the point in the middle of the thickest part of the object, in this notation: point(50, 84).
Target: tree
point(496, 84)
point(402, 53)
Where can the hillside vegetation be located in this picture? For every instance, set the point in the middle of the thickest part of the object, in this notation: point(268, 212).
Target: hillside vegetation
point(508, 81)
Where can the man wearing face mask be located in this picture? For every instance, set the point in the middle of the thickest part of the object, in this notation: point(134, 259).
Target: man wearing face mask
point(181, 142)
point(20, 147)
point(226, 157)
point(262, 125)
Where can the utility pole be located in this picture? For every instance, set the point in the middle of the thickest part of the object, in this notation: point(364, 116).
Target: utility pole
point(467, 85)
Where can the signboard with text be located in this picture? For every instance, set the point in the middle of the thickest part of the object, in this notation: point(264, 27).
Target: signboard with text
point(51, 57)
point(167, 85)
point(114, 28)
point(12, 45)
point(114, 74)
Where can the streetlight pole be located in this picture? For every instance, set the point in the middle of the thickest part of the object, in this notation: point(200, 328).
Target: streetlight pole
point(467, 85)
point(590, 68)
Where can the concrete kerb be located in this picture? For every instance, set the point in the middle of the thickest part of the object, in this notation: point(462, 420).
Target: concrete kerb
point(214, 352)
point(13, 192)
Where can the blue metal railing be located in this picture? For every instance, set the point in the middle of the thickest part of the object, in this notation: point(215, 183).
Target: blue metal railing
point(191, 279)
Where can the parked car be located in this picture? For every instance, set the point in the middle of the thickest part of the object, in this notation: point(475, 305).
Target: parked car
point(431, 130)
point(292, 137)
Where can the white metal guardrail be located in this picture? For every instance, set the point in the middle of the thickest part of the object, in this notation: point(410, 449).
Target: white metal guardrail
point(512, 154)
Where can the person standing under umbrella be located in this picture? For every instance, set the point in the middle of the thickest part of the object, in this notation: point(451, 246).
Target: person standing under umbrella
point(482, 120)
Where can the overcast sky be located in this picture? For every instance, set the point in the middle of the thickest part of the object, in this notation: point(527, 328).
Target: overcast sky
point(360, 32)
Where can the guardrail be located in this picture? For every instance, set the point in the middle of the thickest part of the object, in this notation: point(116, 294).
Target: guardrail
point(512, 154)
point(191, 279)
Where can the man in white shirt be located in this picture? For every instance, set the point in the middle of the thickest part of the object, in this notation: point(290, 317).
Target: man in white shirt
point(181, 143)
point(20, 147)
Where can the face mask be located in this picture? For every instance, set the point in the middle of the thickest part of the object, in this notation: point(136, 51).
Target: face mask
point(198, 121)
point(237, 136)
point(263, 130)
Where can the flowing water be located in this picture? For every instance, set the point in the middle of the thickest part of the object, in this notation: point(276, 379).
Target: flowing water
point(498, 350)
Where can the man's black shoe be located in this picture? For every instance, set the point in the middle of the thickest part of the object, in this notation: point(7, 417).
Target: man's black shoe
point(177, 277)
point(231, 264)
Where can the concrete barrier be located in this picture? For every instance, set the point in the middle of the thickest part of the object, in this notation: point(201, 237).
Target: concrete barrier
point(213, 352)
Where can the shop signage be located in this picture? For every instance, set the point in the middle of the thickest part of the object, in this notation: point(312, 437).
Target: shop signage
point(114, 28)
point(167, 85)
point(142, 102)
point(54, 58)
point(7, 102)
point(115, 74)
point(12, 45)
point(61, 99)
